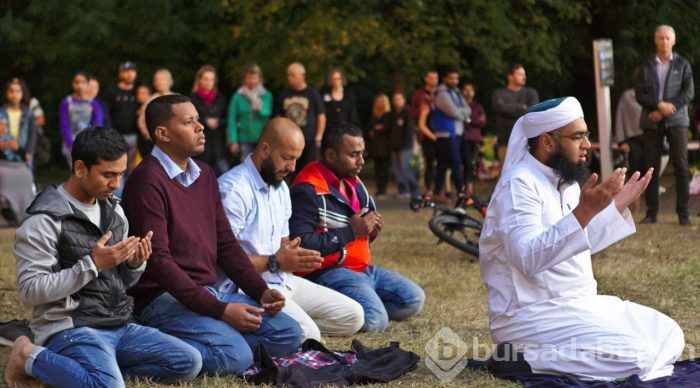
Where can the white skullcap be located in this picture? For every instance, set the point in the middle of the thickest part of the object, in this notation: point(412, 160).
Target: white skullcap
point(540, 118)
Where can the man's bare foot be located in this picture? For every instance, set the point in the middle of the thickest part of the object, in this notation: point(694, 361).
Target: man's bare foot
point(14, 373)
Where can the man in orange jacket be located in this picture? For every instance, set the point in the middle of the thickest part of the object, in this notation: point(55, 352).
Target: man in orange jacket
point(333, 213)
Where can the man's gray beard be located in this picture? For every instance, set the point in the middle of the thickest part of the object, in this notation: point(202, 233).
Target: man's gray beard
point(568, 171)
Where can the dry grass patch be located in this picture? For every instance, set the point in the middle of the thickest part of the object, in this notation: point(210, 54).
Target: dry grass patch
point(659, 267)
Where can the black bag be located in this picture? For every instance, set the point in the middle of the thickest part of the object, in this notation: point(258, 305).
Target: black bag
point(372, 366)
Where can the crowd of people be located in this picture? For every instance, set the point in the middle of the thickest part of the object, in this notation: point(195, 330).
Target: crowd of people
point(233, 126)
point(213, 261)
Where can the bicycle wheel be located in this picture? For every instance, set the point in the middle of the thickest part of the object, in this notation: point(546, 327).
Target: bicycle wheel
point(460, 233)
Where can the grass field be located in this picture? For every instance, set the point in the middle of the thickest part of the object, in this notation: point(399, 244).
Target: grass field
point(659, 266)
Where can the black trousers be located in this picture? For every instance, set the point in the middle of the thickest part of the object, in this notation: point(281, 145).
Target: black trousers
point(653, 143)
point(470, 153)
point(381, 173)
point(449, 157)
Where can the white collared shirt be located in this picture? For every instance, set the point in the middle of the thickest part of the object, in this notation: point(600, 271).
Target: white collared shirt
point(185, 178)
point(258, 213)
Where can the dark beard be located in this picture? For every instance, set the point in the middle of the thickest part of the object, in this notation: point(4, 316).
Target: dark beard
point(269, 174)
point(568, 171)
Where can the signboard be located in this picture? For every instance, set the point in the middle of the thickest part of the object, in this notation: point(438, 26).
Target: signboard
point(604, 53)
point(604, 78)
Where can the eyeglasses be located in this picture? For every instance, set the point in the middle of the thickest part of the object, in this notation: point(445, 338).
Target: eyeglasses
point(577, 137)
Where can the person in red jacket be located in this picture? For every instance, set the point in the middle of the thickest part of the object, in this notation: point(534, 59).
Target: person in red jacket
point(333, 213)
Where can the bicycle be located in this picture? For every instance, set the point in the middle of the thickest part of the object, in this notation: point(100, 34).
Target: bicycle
point(454, 225)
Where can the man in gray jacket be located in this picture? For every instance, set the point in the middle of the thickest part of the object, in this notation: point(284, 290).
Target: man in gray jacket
point(74, 262)
point(664, 89)
point(509, 103)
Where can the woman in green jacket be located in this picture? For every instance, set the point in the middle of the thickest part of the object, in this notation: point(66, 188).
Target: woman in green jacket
point(249, 110)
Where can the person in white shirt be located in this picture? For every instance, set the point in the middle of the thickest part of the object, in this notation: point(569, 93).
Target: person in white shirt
point(535, 256)
point(257, 204)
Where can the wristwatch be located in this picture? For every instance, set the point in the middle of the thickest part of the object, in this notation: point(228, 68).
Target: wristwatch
point(273, 265)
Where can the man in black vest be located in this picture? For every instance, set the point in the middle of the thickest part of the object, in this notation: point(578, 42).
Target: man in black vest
point(74, 264)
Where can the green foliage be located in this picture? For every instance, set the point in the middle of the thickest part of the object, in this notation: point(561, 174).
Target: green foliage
point(381, 44)
point(397, 40)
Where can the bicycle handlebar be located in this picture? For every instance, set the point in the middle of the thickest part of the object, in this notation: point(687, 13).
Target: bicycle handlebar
point(462, 203)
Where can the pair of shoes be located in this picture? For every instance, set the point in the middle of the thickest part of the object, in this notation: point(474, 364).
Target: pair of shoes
point(506, 359)
point(684, 220)
point(11, 330)
point(380, 197)
point(648, 220)
point(404, 196)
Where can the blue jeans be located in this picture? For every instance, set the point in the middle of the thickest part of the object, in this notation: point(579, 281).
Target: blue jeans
point(383, 294)
point(89, 357)
point(224, 349)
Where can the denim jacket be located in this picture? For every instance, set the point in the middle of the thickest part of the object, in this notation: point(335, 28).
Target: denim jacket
point(27, 130)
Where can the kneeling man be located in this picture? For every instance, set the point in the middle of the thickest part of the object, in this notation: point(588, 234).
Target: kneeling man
point(333, 213)
point(178, 198)
point(74, 264)
point(257, 204)
point(540, 231)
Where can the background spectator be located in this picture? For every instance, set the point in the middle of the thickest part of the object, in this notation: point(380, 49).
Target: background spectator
point(403, 136)
point(76, 112)
point(211, 106)
point(422, 105)
point(379, 134)
point(162, 85)
point(42, 150)
point(664, 89)
point(510, 102)
point(302, 104)
point(120, 101)
point(17, 140)
point(472, 137)
point(249, 110)
point(94, 94)
point(339, 102)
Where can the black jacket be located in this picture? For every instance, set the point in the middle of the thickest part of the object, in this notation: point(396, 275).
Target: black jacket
point(379, 134)
point(679, 91)
point(402, 130)
point(215, 150)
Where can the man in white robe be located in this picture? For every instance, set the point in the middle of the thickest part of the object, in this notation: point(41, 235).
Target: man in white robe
point(535, 255)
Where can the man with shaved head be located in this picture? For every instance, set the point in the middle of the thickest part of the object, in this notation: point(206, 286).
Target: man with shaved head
point(257, 205)
point(303, 105)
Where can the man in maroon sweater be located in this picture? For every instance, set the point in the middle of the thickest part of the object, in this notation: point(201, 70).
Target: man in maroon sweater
point(178, 199)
